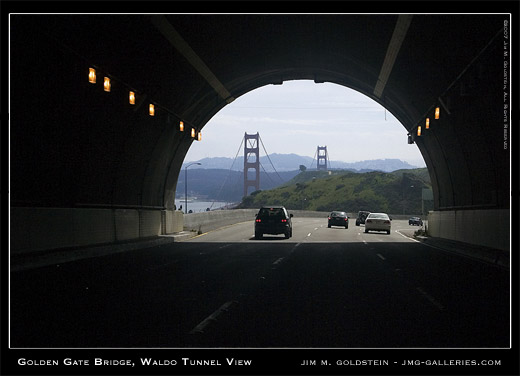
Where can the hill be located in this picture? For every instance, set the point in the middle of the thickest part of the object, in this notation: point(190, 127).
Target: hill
point(397, 193)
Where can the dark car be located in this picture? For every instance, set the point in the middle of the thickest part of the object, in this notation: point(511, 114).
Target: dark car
point(415, 221)
point(273, 220)
point(338, 218)
point(361, 216)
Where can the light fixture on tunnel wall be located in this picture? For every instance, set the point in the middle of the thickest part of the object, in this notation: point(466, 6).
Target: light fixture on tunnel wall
point(437, 112)
point(193, 132)
point(419, 130)
point(181, 126)
point(410, 138)
point(106, 84)
point(427, 123)
point(92, 75)
point(199, 136)
point(131, 97)
point(151, 109)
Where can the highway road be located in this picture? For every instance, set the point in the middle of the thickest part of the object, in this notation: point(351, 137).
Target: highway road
point(322, 288)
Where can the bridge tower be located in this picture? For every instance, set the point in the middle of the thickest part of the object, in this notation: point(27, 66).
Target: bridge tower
point(322, 158)
point(251, 162)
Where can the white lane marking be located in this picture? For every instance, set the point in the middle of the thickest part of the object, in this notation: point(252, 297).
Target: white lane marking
point(213, 317)
point(431, 299)
point(381, 256)
point(407, 237)
point(309, 234)
point(316, 228)
point(364, 241)
point(278, 261)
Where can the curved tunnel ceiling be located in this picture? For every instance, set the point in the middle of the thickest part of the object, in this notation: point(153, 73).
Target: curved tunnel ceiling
point(194, 65)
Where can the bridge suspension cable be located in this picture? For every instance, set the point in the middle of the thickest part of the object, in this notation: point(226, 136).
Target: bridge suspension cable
point(261, 165)
point(269, 159)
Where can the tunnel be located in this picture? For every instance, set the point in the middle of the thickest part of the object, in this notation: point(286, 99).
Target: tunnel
point(88, 167)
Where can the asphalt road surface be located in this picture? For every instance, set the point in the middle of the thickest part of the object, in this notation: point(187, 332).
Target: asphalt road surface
point(322, 288)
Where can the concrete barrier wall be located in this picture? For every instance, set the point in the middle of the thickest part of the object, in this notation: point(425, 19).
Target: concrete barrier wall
point(488, 228)
point(37, 229)
point(207, 221)
point(173, 221)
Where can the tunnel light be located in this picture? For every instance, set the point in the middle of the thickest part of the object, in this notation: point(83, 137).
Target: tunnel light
point(92, 75)
point(106, 84)
point(131, 97)
point(437, 112)
point(151, 110)
point(427, 123)
point(181, 126)
point(193, 132)
point(419, 130)
point(199, 136)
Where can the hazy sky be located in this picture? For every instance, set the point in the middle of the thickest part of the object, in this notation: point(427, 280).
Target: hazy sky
point(299, 116)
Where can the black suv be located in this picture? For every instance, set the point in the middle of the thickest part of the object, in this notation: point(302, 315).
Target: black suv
point(361, 216)
point(273, 220)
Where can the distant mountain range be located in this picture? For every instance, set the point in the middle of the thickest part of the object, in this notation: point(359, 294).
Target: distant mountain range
point(221, 179)
point(292, 162)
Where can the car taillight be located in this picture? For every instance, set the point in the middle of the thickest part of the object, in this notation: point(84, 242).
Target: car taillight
point(368, 221)
point(258, 220)
point(284, 220)
point(387, 222)
point(346, 219)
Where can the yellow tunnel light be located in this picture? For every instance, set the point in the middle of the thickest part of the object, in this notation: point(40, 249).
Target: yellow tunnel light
point(181, 126)
point(151, 109)
point(199, 136)
point(419, 130)
point(193, 132)
point(92, 75)
point(106, 84)
point(131, 97)
point(437, 112)
point(427, 123)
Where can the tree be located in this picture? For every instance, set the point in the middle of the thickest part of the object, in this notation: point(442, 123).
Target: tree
point(303, 168)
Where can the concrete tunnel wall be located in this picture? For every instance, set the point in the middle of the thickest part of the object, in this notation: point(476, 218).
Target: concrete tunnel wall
point(42, 229)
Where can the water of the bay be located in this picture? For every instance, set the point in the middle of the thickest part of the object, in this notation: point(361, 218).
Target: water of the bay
point(201, 206)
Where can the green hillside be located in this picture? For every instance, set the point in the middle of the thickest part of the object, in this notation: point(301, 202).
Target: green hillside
point(398, 192)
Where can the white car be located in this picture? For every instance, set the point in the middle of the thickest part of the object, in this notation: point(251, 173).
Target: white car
point(378, 222)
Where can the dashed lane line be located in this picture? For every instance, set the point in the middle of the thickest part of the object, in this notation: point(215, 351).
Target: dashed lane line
point(211, 318)
point(431, 299)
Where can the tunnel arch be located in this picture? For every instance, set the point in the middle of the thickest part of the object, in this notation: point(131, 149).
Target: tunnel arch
point(304, 78)
point(97, 152)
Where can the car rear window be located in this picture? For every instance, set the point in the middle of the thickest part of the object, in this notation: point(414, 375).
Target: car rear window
point(271, 212)
point(382, 216)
